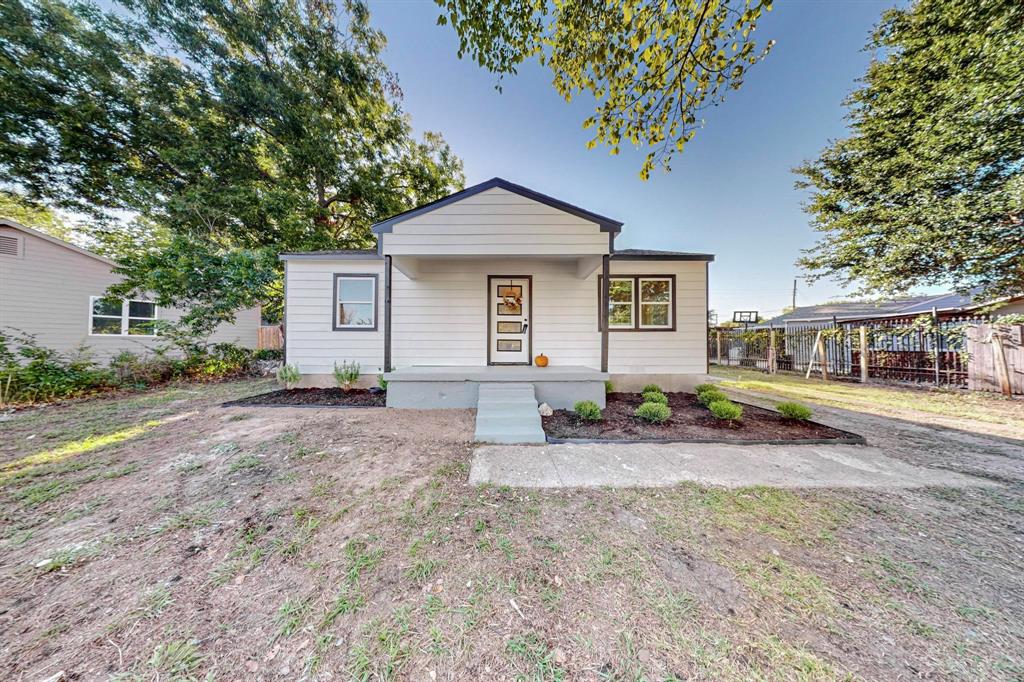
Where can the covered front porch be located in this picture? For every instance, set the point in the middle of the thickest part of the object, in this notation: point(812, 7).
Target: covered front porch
point(434, 386)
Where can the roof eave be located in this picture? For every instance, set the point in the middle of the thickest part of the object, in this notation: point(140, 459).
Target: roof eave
point(327, 255)
point(706, 257)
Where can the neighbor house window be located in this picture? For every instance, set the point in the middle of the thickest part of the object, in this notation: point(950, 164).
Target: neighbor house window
point(640, 302)
point(113, 317)
point(355, 302)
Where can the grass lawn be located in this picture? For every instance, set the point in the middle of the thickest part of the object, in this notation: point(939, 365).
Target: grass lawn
point(161, 536)
point(879, 399)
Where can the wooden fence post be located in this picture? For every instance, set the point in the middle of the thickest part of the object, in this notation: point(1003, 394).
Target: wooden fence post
point(863, 354)
point(718, 345)
point(771, 350)
point(999, 356)
point(822, 357)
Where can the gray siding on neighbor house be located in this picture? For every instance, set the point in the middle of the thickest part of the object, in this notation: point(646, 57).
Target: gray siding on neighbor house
point(45, 291)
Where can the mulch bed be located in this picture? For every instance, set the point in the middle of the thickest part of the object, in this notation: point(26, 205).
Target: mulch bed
point(689, 421)
point(314, 397)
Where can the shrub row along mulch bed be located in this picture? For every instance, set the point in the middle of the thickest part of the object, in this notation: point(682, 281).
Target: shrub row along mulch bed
point(328, 397)
point(689, 421)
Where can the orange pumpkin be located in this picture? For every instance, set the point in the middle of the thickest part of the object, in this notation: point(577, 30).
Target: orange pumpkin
point(541, 360)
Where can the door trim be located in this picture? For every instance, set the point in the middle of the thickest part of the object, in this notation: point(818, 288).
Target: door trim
point(490, 321)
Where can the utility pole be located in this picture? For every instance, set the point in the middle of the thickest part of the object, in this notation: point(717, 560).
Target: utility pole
point(794, 293)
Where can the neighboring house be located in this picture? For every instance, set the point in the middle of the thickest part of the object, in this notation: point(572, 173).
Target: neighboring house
point(472, 287)
point(53, 290)
point(947, 306)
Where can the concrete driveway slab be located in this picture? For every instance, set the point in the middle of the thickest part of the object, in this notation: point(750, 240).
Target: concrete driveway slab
point(656, 464)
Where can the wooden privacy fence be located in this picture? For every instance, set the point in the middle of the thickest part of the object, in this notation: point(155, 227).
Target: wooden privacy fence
point(996, 353)
point(270, 336)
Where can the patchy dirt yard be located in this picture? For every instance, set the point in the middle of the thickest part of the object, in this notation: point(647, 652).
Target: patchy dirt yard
point(161, 536)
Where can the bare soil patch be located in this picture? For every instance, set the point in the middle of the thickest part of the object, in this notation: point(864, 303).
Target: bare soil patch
point(162, 536)
point(689, 421)
point(311, 397)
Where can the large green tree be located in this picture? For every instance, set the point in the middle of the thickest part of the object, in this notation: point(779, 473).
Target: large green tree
point(234, 129)
point(652, 65)
point(929, 186)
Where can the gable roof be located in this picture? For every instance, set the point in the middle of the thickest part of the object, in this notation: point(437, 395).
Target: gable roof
point(7, 222)
point(607, 224)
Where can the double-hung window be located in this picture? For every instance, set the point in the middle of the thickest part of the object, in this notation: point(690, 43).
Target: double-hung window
point(355, 302)
point(655, 302)
point(621, 310)
point(113, 317)
point(641, 302)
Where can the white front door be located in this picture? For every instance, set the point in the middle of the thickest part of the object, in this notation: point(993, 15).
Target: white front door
point(509, 336)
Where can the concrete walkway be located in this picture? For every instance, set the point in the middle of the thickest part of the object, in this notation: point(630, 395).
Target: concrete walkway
point(654, 465)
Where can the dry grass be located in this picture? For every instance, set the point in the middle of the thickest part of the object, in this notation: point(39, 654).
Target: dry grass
point(289, 543)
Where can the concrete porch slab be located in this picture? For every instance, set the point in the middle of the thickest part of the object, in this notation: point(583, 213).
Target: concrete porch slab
point(720, 464)
point(491, 373)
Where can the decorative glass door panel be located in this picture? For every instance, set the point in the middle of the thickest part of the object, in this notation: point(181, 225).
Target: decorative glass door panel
point(508, 339)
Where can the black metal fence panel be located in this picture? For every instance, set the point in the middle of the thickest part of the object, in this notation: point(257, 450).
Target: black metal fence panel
point(918, 350)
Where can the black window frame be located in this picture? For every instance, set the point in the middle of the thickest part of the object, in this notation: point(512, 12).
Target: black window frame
point(636, 304)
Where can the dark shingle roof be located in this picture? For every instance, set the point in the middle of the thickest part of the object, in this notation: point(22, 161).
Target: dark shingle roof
point(627, 254)
point(326, 255)
point(903, 305)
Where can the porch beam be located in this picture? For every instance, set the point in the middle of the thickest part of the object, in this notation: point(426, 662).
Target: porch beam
point(586, 265)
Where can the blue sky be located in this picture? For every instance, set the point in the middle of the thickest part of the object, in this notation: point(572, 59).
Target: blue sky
point(730, 193)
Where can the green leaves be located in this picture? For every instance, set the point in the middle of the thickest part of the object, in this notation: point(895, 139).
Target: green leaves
point(929, 187)
point(651, 65)
point(229, 130)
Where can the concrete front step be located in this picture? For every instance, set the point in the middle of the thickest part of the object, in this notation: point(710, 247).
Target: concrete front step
point(506, 412)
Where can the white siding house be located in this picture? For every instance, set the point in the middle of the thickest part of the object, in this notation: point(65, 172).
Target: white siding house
point(482, 282)
point(50, 289)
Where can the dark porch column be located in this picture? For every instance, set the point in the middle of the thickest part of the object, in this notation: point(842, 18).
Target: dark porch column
point(387, 313)
point(604, 312)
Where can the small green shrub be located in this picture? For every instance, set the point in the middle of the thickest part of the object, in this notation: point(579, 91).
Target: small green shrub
point(289, 375)
point(656, 413)
point(587, 410)
point(268, 354)
point(609, 387)
point(382, 383)
point(655, 397)
point(700, 388)
point(711, 396)
point(726, 409)
point(794, 411)
point(347, 375)
point(31, 373)
point(652, 388)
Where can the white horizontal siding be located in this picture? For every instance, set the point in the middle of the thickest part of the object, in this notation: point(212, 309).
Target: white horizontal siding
point(310, 340)
point(495, 223)
point(680, 352)
point(46, 292)
point(440, 318)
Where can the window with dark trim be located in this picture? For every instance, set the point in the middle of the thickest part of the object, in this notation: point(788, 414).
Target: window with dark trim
point(355, 302)
point(640, 303)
